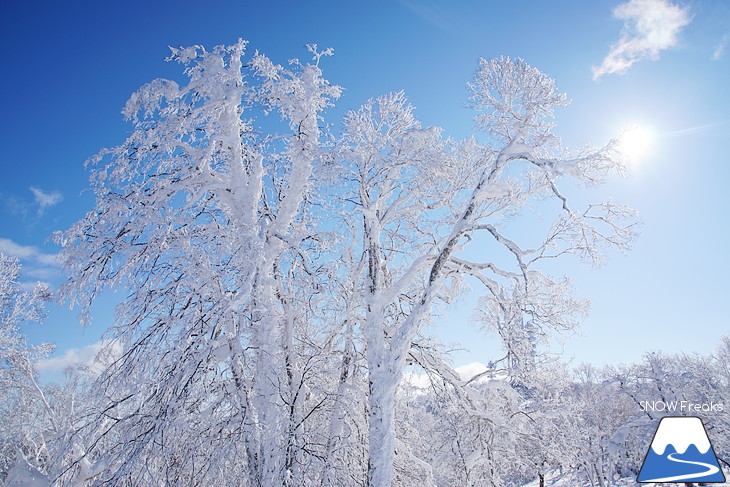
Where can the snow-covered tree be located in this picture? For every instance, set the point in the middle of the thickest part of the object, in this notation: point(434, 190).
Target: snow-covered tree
point(24, 406)
point(204, 224)
point(419, 202)
point(274, 288)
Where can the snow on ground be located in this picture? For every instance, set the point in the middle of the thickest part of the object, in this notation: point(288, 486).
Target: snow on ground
point(24, 475)
point(571, 481)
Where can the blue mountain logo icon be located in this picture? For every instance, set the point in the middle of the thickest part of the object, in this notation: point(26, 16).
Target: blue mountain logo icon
point(681, 452)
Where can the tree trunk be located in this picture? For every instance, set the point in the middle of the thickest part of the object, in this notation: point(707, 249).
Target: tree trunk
point(381, 414)
point(338, 410)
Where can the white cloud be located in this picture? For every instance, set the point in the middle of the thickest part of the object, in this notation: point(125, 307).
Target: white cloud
point(36, 264)
point(417, 380)
point(29, 287)
point(10, 248)
point(650, 26)
point(45, 200)
point(468, 371)
point(720, 48)
point(92, 358)
point(40, 273)
point(27, 252)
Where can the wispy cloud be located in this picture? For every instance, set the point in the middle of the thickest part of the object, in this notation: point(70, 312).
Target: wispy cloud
point(29, 209)
point(37, 265)
point(696, 129)
point(650, 26)
point(92, 358)
point(45, 200)
point(720, 48)
point(27, 253)
point(16, 206)
point(430, 12)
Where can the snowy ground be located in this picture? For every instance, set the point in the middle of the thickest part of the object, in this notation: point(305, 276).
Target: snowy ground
point(627, 482)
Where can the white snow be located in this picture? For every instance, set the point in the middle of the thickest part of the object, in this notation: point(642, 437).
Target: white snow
point(24, 475)
point(680, 432)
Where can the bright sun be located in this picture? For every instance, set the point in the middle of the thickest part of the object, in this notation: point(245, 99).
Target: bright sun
point(636, 142)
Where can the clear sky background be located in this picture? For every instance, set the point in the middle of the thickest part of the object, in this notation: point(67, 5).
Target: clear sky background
point(68, 68)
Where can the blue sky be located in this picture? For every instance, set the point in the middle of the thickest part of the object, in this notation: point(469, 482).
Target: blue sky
point(68, 68)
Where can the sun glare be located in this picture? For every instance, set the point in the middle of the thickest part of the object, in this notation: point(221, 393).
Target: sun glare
point(636, 142)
